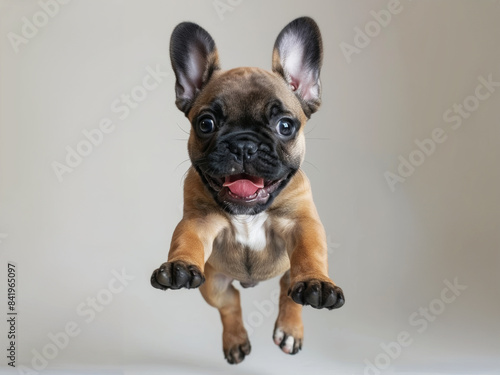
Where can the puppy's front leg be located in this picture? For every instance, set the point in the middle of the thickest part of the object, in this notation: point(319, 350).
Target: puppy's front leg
point(190, 248)
point(310, 284)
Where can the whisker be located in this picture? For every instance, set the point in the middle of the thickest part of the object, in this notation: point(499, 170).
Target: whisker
point(311, 164)
point(182, 128)
point(183, 178)
point(178, 165)
point(310, 130)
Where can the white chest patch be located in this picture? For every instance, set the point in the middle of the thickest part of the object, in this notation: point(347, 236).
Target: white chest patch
point(250, 230)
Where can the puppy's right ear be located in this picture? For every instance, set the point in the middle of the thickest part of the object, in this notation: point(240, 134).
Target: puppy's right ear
point(194, 58)
point(297, 57)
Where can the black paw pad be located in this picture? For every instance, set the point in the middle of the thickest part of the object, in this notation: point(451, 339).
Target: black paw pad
point(237, 353)
point(318, 294)
point(177, 275)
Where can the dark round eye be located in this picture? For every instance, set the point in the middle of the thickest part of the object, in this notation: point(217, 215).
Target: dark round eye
point(285, 127)
point(206, 125)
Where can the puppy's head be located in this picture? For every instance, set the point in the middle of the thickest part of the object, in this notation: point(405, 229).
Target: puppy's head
point(247, 139)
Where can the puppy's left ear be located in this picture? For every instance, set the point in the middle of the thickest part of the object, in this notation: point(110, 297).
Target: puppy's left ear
point(297, 57)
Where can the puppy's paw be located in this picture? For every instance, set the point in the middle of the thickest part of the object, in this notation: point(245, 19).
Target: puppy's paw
point(176, 275)
point(236, 348)
point(289, 342)
point(318, 294)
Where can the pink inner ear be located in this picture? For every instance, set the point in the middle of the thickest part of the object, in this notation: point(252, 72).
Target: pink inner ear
point(305, 85)
point(192, 81)
point(301, 79)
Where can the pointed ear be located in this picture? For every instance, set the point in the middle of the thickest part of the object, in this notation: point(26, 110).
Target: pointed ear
point(194, 58)
point(297, 57)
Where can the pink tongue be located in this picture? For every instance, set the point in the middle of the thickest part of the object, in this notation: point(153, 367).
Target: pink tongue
point(244, 186)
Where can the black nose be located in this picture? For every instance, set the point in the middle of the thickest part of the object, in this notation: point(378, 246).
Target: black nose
point(244, 150)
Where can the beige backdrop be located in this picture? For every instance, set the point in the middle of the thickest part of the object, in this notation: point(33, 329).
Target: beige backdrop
point(403, 158)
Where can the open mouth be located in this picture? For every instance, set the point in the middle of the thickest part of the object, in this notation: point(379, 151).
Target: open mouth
point(243, 188)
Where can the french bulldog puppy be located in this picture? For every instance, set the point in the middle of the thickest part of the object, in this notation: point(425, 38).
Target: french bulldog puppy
point(249, 214)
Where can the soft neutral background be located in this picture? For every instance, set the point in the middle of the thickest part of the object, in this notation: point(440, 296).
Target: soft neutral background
point(391, 251)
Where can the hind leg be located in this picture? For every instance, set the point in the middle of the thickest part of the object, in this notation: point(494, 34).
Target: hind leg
point(288, 330)
point(220, 293)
